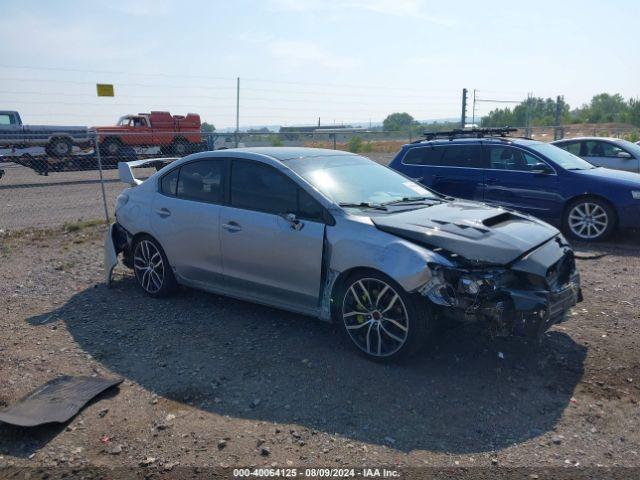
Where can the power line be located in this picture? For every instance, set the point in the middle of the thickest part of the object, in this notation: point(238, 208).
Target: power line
point(208, 77)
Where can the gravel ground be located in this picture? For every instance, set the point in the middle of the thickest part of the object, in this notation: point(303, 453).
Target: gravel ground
point(211, 381)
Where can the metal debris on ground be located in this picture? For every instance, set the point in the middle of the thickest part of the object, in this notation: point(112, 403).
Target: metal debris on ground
point(56, 401)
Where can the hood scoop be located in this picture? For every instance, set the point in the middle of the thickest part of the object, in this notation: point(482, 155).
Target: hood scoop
point(476, 232)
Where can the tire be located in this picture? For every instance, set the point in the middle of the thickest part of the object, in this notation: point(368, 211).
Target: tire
point(111, 147)
point(59, 147)
point(393, 324)
point(179, 147)
point(151, 268)
point(589, 219)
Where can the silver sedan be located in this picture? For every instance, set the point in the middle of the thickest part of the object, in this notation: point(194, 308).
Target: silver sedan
point(337, 236)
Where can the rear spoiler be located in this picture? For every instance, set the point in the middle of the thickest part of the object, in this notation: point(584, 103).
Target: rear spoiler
point(126, 172)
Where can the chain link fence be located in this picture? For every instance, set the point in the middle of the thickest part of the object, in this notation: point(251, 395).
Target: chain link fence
point(46, 184)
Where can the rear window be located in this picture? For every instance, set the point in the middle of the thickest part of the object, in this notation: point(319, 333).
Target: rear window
point(423, 156)
point(202, 181)
point(469, 156)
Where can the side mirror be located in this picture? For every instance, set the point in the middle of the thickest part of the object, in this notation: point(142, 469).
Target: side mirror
point(541, 169)
point(625, 155)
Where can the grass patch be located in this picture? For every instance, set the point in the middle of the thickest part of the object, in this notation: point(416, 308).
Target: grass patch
point(81, 225)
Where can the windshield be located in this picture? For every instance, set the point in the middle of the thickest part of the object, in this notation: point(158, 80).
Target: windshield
point(561, 157)
point(352, 179)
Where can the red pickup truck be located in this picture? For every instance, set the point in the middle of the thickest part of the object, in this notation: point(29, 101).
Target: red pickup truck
point(174, 134)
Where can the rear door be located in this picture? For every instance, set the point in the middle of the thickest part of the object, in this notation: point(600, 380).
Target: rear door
point(266, 256)
point(186, 218)
point(511, 180)
point(450, 169)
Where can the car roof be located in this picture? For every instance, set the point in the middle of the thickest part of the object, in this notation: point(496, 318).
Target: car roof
point(575, 139)
point(289, 153)
point(485, 140)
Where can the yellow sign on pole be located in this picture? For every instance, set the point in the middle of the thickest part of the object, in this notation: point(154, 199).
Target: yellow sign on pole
point(104, 89)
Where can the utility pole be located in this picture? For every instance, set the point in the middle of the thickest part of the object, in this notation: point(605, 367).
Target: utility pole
point(473, 111)
point(463, 117)
point(528, 116)
point(557, 132)
point(237, 111)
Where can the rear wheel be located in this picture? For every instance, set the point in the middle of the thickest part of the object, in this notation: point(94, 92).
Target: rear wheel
point(382, 320)
point(589, 219)
point(152, 268)
point(180, 147)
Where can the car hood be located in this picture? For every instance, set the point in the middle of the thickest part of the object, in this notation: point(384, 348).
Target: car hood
point(471, 231)
point(618, 177)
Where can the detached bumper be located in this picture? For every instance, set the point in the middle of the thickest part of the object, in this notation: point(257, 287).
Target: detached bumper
point(117, 240)
point(110, 255)
point(531, 313)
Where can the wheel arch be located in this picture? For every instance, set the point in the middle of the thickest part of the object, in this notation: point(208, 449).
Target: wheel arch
point(584, 196)
point(341, 280)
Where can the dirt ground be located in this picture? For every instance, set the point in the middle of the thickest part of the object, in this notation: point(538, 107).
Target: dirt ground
point(211, 381)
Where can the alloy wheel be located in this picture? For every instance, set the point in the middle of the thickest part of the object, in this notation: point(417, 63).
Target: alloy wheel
point(588, 220)
point(148, 266)
point(375, 317)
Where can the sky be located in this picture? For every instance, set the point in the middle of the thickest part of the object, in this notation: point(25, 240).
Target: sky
point(344, 61)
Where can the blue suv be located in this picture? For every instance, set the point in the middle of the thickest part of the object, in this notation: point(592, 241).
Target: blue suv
point(588, 202)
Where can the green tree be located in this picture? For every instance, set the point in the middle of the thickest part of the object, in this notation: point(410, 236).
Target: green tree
point(604, 108)
point(398, 122)
point(533, 111)
point(207, 127)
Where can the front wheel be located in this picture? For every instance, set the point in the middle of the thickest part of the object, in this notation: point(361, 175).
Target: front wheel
point(382, 320)
point(152, 268)
point(589, 220)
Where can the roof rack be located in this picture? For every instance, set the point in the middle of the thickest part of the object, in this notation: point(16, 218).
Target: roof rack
point(469, 133)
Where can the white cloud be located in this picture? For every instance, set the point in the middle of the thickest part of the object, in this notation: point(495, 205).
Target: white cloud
point(307, 52)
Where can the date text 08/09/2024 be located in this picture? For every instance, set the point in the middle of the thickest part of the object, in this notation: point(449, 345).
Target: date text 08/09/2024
point(316, 472)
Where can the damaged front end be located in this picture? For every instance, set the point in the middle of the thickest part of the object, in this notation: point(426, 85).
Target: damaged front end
point(523, 298)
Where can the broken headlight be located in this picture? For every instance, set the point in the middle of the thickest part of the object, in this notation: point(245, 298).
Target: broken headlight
point(447, 284)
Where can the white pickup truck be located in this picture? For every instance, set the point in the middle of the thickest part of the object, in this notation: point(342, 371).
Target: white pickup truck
point(57, 141)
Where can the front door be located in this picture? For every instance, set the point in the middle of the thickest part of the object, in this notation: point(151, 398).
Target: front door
point(266, 256)
point(609, 155)
point(517, 179)
point(186, 219)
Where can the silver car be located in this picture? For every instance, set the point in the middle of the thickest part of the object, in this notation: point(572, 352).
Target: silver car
point(337, 236)
point(613, 153)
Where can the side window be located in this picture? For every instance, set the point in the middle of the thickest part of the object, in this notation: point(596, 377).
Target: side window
point(469, 156)
point(595, 148)
point(423, 156)
point(308, 207)
point(5, 119)
point(255, 186)
point(572, 147)
point(508, 158)
point(202, 181)
point(169, 183)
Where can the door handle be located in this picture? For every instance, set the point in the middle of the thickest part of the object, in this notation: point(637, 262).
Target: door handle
point(438, 177)
point(163, 212)
point(491, 181)
point(231, 227)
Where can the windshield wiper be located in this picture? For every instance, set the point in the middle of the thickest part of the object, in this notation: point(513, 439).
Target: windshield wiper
point(409, 200)
point(375, 206)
